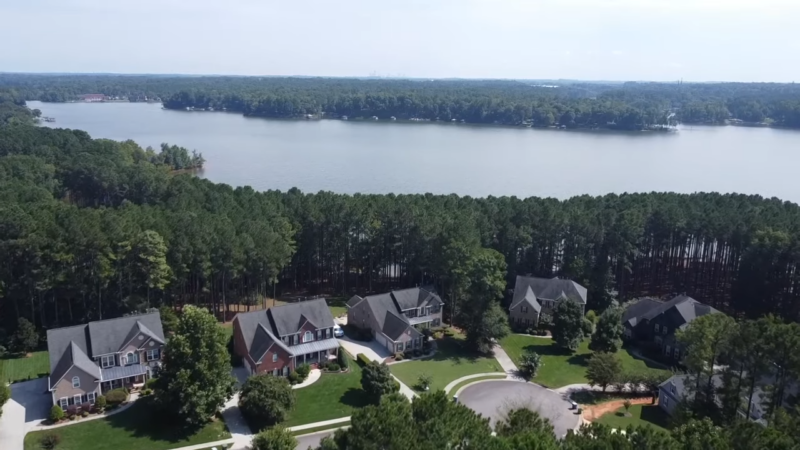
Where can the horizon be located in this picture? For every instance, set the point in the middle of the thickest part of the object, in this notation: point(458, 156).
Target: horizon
point(652, 40)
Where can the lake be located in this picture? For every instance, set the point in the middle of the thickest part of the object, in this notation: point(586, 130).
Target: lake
point(391, 157)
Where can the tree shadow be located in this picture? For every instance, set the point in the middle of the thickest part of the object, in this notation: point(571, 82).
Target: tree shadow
point(548, 349)
point(144, 420)
point(579, 360)
point(655, 415)
point(355, 398)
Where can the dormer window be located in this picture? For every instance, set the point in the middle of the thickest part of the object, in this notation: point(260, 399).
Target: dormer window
point(130, 358)
point(76, 382)
point(524, 310)
point(657, 328)
point(107, 361)
point(308, 337)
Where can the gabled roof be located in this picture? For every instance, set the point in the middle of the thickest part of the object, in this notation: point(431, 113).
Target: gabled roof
point(354, 300)
point(548, 289)
point(262, 341)
point(530, 299)
point(73, 357)
point(415, 298)
point(680, 311)
point(394, 326)
point(287, 319)
point(59, 341)
point(108, 336)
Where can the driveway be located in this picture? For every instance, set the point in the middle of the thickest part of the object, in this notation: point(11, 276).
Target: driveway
point(312, 440)
point(29, 405)
point(372, 350)
point(493, 399)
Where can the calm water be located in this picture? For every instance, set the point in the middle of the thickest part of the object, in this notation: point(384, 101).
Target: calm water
point(383, 157)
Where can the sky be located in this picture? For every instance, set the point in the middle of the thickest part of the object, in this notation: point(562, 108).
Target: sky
point(658, 40)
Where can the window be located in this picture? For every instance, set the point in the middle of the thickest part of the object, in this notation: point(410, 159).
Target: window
point(669, 350)
point(400, 347)
point(274, 357)
point(666, 402)
point(76, 382)
point(76, 400)
point(90, 397)
point(664, 330)
point(131, 358)
point(327, 332)
point(274, 372)
point(656, 328)
point(308, 337)
point(107, 361)
point(153, 355)
point(677, 353)
point(524, 310)
point(285, 370)
point(63, 402)
point(436, 322)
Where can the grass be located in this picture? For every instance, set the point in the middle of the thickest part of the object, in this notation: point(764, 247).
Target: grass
point(561, 368)
point(472, 380)
point(337, 306)
point(335, 395)
point(136, 428)
point(323, 428)
point(451, 362)
point(640, 415)
point(14, 369)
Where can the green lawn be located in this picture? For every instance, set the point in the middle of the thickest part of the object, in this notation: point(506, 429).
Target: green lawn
point(137, 428)
point(324, 428)
point(640, 415)
point(450, 362)
point(561, 368)
point(335, 395)
point(337, 306)
point(20, 369)
point(472, 380)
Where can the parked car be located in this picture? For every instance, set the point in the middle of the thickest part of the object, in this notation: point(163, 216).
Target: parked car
point(338, 331)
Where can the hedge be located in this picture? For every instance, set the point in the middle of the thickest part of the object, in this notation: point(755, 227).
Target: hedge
point(362, 359)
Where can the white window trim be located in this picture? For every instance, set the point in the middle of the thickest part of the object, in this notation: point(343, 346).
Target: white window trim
point(151, 354)
point(657, 328)
point(76, 382)
point(306, 335)
point(105, 359)
point(274, 357)
point(90, 397)
point(63, 402)
point(76, 400)
point(131, 360)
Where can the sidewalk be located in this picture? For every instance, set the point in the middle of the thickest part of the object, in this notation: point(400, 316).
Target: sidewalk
point(313, 377)
point(241, 436)
point(209, 445)
point(324, 423)
point(453, 383)
point(505, 361)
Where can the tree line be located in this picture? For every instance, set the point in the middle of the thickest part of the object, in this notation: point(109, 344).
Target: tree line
point(623, 106)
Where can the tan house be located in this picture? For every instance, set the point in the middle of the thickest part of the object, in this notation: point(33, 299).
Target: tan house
point(396, 318)
point(534, 297)
point(88, 360)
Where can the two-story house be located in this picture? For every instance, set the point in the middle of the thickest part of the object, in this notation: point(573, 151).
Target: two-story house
point(396, 318)
point(279, 339)
point(534, 297)
point(653, 322)
point(88, 360)
point(682, 387)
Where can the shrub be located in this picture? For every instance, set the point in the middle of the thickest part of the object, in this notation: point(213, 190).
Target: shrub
point(116, 396)
point(151, 383)
point(5, 394)
point(333, 367)
point(302, 371)
point(341, 359)
point(531, 331)
point(376, 380)
point(266, 400)
point(277, 438)
point(417, 352)
point(408, 354)
point(323, 365)
point(438, 334)
point(100, 402)
point(147, 392)
point(293, 378)
point(86, 406)
point(72, 418)
point(50, 440)
point(424, 381)
point(592, 316)
point(85, 413)
point(72, 411)
point(362, 359)
point(398, 356)
point(449, 332)
point(545, 322)
point(530, 364)
point(56, 413)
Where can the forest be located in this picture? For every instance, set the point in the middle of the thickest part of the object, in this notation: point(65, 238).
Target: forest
point(94, 228)
point(621, 106)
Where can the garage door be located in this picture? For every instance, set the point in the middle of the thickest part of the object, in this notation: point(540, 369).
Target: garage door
point(381, 340)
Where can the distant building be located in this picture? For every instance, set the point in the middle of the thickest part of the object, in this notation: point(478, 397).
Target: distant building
point(93, 97)
point(536, 296)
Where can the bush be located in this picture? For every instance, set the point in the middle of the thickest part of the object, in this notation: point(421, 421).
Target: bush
point(266, 400)
point(147, 392)
point(151, 383)
point(362, 359)
point(293, 378)
point(398, 356)
point(449, 332)
point(116, 396)
point(56, 413)
point(532, 331)
point(86, 406)
point(72, 411)
point(85, 413)
point(417, 352)
point(302, 371)
point(323, 365)
point(333, 367)
point(424, 381)
point(438, 334)
point(50, 440)
point(408, 354)
point(5, 394)
point(377, 381)
point(100, 402)
point(530, 364)
point(341, 359)
point(545, 322)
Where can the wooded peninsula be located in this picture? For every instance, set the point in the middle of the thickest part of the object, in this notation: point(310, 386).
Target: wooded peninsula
point(565, 104)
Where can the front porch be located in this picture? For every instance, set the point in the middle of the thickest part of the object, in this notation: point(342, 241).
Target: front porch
point(316, 351)
point(130, 377)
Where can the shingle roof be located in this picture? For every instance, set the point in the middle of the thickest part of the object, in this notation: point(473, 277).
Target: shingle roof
point(107, 336)
point(394, 326)
point(548, 289)
point(73, 357)
point(529, 298)
point(287, 319)
point(677, 387)
point(414, 298)
point(59, 341)
point(634, 311)
point(681, 310)
point(354, 300)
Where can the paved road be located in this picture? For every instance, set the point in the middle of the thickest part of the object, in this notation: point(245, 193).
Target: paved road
point(312, 440)
point(28, 406)
point(493, 399)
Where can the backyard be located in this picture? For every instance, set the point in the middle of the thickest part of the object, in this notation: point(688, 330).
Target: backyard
point(451, 361)
point(640, 415)
point(13, 369)
point(561, 368)
point(137, 428)
point(335, 395)
point(337, 305)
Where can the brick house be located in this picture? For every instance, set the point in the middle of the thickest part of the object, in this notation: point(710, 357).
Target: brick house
point(280, 338)
point(535, 296)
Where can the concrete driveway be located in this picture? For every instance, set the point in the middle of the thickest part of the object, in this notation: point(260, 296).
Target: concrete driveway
point(373, 350)
point(493, 399)
point(29, 405)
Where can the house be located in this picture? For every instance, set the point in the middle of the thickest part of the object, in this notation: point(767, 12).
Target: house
point(680, 387)
point(653, 322)
point(88, 360)
point(279, 339)
point(396, 318)
point(536, 296)
point(93, 97)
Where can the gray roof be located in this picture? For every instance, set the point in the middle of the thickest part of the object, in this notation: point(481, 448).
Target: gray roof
point(108, 336)
point(76, 346)
point(394, 326)
point(354, 300)
point(387, 308)
point(530, 298)
point(115, 373)
point(548, 289)
point(315, 346)
point(678, 386)
point(681, 310)
point(287, 319)
point(415, 298)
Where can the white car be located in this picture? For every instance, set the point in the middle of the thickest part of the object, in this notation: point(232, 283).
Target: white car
point(338, 331)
